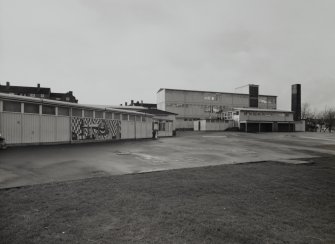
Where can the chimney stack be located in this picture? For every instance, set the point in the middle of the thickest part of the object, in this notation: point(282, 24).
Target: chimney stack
point(132, 103)
point(7, 84)
point(125, 104)
point(253, 96)
point(296, 101)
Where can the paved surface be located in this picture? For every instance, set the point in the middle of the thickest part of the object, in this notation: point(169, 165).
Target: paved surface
point(42, 164)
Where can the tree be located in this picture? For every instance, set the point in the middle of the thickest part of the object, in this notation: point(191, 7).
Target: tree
point(306, 111)
point(329, 117)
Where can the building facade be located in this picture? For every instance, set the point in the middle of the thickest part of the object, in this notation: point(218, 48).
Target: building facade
point(262, 120)
point(27, 120)
point(192, 105)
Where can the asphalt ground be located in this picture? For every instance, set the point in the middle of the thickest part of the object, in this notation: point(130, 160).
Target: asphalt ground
point(43, 164)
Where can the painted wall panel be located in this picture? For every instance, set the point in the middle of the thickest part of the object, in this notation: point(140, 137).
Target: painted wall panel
point(127, 129)
point(11, 127)
point(62, 128)
point(48, 128)
point(31, 128)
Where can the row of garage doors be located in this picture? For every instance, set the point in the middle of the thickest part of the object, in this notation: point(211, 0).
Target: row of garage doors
point(267, 127)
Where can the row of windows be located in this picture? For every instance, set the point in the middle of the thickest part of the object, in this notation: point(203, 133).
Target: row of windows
point(32, 108)
point(265, 114)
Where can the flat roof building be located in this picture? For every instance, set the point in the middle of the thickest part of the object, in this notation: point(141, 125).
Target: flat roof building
point(190, 105)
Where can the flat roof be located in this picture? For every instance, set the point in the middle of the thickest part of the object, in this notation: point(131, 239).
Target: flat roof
point(68, 104)
point(210, 92)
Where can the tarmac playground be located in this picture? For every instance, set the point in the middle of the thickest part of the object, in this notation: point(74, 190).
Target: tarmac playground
point(21, 166)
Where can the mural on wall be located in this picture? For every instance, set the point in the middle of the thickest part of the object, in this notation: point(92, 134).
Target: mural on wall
point(95, 129)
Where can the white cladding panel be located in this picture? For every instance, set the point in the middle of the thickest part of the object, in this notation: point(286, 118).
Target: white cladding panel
point(62, 129)
point(11, 127)
point(48, 128)
point(31, 128)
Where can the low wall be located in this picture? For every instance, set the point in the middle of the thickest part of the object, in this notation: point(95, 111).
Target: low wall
point(204, 125)
point(300, 126)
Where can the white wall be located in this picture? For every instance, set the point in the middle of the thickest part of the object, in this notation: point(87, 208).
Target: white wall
point(214, 125)
point(20, 128)
point(300, 126)
point(142, 129)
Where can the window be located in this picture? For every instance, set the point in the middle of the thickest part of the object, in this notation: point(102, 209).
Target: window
point(117, 116)
point(77, 112)
point(32, 95)
point(48, 109)
point(99, 114)
point(144, 119)
point(9, 106)
point(63, 111)
point(132, 117)
point(138, 118)
point(31, 108)
point(42, 95)
point(108, 115)
point(124, 116)
point(88, 113)
point(161, 126)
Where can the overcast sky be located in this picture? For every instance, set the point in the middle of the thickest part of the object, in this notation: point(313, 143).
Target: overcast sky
point(108, 52)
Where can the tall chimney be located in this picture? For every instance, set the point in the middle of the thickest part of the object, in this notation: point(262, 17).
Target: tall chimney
point(253, 96)
point(38, 86)
point(132, 103)
point(296, 101)
point(7, 84)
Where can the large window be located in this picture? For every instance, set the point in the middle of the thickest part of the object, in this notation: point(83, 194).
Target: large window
point(31, 108)
point(63, 111)
point(109, 115)
point(99, 114)
point(161, 126)
point(77, 112)
point(88, 113)
point(124, 116)
point(117, 116)
point(46, 109)
point(9, 106)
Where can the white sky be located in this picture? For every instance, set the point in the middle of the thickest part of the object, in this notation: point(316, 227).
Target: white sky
point(109, 52)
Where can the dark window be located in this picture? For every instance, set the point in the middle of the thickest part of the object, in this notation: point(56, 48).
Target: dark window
point(161, 126)
point(9, 106)
point(99, 114)
point(109, 115)
point(31, 108)
point(124, 116)
point(88, 113)
point(117, 116)
point(48, 109)
point(63, 111)
point(77, 112)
